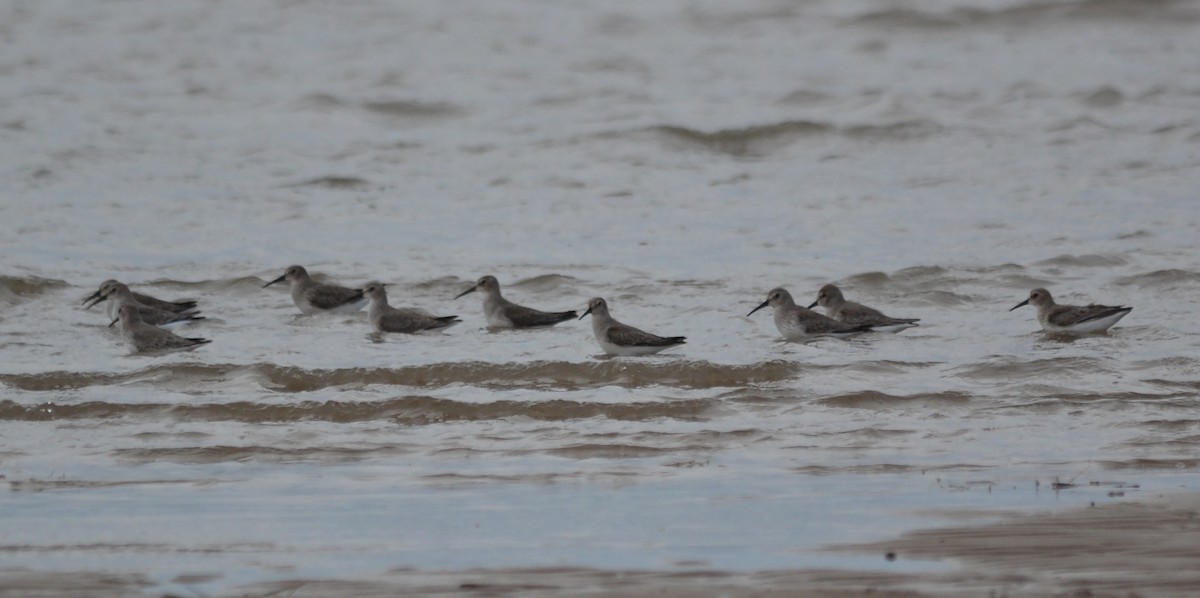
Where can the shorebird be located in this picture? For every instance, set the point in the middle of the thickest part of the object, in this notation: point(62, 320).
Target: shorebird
point(622, 339)
point(502, 313)
point(317, 298)
point(145, 338)
point(796, 323)
point(118, 295)
point(147, 300)
point(1072, 319)
point(856, 314)
point(386, 318)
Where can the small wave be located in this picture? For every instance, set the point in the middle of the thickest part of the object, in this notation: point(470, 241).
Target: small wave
point(1173, 425)
point(541, 478)
point(1184, 443)
point(410, 109)
point(1174, 464)
point(406, 410)
point(898, 131)
point(610, 451)
point(540, 374)
point(941, 298)
point(888, 366)
point(745, 142)
point(1038, 13)
point(34, 485)
point(246, 285)
point(805, 97)
point(1105, 97)
point(1156, 11)
point(335, 182)
point(442, 282)
point(762, 140)
point(1010, 369)
point(920, 274)
point(1120, 397)
point(1081, 122)
point(722, 16)
point(423, 410)
point(99, 585)
point(1022, 285)
point(271, 454)
point(320, 101)
point(1160, 278)
point(1083, 261)
point(873, 279)
point(878, 400)
point(906, 18)
point(1191, 384)
point(546, 282)
point(407, 110)
point(16, 289)
point(885, 468)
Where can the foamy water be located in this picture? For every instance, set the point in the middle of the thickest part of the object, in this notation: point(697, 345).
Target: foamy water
point(680, 159)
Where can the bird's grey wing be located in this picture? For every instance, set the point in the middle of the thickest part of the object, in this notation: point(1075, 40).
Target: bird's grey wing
point(149, 338)
point(857, 314)
point(172, 306)
point(414, 320)
point(525, 317)
point(815, 323)
point(873, 318)
point(398, 320)
point(327, 296)
point(158, 317)
point(628, 336)
point(1070, 315)
point(854, 317)
point(857, 310)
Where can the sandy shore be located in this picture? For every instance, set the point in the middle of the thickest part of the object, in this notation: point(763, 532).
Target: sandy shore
point(1146, 548)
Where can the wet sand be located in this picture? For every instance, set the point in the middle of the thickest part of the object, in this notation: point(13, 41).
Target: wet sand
point(1146, 548)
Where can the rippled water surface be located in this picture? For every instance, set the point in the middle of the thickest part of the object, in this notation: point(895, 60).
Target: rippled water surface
point(934, 158)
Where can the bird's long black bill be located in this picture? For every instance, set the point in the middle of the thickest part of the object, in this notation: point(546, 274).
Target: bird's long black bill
point(280, 279)
point(585, 314)
point(814, 304)
point(466, 292)
point(1021, 304)
point(95, 298)
point(110, 324)
point(762, 305)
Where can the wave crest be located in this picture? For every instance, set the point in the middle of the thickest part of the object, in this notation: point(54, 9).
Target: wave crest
point(552, 375)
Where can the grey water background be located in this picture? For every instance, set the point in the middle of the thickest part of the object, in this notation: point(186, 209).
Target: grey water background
point(934, 158)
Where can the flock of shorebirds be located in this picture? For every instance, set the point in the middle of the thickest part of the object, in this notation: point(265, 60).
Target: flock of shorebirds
point(145, 320)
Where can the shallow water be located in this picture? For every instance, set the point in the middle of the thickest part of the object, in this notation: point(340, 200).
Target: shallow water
point(934, 158)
